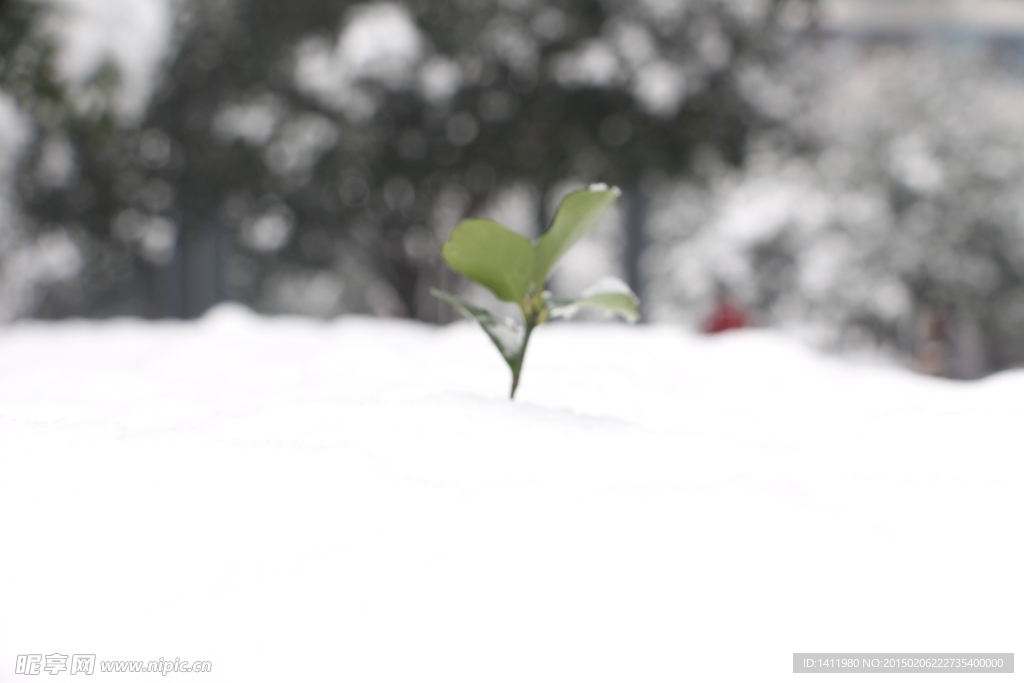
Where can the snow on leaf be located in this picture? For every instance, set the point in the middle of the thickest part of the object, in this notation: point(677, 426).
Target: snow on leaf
point(608, 294)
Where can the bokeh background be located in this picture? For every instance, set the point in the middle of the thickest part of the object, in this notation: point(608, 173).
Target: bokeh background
point(850, 171)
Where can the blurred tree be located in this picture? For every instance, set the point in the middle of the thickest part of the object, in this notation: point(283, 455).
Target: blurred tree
point(931, 152)
point(902, 229)
point(40, 109)
point(27, 57)
point(312, 156)
point(28, 74)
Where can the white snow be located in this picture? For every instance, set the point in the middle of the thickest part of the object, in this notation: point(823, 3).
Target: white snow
point(358, 501)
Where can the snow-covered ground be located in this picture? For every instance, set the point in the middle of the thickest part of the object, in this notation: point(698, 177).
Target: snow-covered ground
point(358, 501)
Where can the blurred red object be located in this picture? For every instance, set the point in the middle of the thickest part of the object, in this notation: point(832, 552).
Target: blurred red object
point(728, 315)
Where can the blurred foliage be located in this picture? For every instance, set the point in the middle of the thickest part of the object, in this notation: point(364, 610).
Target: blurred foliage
point(28, 55)
point(304, 161)
point(39, 248)
point(901, 222)
point(312, 157)
point(26, 59)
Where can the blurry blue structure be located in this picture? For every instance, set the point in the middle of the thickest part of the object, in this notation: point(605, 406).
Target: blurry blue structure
point(992, 29)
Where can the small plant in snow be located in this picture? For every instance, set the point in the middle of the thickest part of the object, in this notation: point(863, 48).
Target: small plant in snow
point(515, 269)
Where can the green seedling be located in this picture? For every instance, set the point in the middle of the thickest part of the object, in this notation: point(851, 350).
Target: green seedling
point(515, 270)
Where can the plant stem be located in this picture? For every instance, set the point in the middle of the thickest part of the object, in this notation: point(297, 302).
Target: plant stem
point(517, 365)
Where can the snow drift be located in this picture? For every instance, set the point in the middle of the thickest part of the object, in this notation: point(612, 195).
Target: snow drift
point(356, 500)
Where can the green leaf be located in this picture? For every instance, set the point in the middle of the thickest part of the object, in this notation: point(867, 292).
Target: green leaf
point(491, 254)
point(505, 334)
point(577, 215)
point(609, 295)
